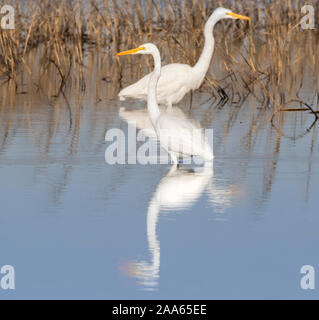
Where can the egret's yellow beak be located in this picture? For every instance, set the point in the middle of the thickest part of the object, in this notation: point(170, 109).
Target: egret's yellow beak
point(124, 53)
point(238, 16)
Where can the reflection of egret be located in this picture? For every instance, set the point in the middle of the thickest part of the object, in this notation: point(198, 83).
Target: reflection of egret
point(179, 137)
point(178, 79)
point(179, 189)
point(141, 119)
point(222, 197)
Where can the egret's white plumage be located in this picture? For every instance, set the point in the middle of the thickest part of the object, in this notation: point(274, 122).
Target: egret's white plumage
point(172, 87)
point(178, 79)
point(178, 136)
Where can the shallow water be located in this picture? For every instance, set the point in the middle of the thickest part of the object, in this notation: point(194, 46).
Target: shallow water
point(75, 227)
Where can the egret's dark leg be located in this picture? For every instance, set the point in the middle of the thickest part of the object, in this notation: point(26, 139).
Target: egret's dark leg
point(191, 100)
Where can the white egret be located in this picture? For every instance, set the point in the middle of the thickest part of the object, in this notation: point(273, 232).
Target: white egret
point(178, 79)
point(179, 137)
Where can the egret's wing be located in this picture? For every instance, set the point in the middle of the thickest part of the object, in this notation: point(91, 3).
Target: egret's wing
point(173, 78)
point(137, 90)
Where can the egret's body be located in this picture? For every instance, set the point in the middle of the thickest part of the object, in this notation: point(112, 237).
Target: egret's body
point(181, 138)
point(172, 87)
point(178, 136)
point(176, 79)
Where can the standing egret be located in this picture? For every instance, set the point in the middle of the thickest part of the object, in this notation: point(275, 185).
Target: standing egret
point(178, 79)
point(178, 136)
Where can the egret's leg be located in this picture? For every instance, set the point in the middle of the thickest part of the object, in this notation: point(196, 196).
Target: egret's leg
point(191, 101)
point(173, 169)
point(174, 159)
point(169, 106)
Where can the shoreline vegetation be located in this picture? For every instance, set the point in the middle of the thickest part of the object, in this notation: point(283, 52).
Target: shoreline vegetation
point(54, 45)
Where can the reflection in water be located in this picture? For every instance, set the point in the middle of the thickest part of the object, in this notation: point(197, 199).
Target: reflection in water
point(142, 119)
point(221, 197)
point(181, 188)
point(178, 190)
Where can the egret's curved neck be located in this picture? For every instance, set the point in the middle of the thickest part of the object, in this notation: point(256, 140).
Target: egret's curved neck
point(152, 104)
point(153, 243)
point(203, 63)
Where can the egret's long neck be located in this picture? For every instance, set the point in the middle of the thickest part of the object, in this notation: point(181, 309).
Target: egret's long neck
point(153, 243)
point(152, 104)
point(203, 63)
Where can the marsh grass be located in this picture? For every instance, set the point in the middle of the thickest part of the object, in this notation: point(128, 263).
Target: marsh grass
point(272, 58)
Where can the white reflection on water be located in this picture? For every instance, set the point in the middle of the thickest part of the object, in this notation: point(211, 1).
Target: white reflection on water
point(178, 190)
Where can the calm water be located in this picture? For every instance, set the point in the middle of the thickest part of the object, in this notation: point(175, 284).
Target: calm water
point(75, 227)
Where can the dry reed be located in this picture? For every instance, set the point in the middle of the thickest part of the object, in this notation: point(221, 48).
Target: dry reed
point(272, 58)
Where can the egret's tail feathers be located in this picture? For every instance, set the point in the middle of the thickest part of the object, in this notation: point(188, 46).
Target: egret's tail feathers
point(137, 90)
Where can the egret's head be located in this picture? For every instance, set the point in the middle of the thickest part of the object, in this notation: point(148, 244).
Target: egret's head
point(147, 48)
point(223, 13)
